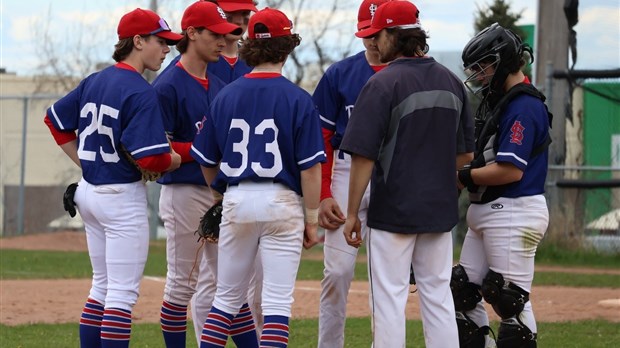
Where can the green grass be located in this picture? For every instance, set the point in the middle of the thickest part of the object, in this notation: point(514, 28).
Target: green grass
point(29, 264)
point(549, 254)
point(590, 333)
point(578, 280)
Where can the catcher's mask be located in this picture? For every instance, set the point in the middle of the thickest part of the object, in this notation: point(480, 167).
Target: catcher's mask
point(496, 47)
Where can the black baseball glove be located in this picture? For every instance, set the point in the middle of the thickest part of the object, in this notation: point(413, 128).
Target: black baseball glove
point(209, 227)
point(67, 199)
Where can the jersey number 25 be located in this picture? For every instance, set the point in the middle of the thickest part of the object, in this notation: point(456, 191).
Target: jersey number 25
point(96, 126)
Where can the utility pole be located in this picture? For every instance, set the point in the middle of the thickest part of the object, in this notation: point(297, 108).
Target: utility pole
point(148, 74)
point(552, 54)
point(152, 189)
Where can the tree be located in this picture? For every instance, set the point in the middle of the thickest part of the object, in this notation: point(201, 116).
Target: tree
point(499, 11)
point(323, 41)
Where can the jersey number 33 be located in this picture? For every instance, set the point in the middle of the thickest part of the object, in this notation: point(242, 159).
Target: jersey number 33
point(241, 148)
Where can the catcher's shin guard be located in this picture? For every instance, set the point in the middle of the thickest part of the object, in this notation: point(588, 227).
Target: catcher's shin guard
point(465, 293)
point(470, 334)
point(514, 334)
point(507, 299)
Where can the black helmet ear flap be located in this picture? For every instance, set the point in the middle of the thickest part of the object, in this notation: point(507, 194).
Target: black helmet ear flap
point(528, 52)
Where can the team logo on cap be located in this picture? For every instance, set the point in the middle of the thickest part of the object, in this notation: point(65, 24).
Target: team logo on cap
point(372, 8)
point(222, 13)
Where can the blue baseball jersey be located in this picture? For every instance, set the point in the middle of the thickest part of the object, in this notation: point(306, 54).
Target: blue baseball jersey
point(185, 102)
point(112, 107)
point(172, 64)
point(523, 127)
point(260, 129)
point(337, 91)
point(221, 69)
point(226, 72)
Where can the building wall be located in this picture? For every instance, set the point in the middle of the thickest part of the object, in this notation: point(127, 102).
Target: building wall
point(46, 167)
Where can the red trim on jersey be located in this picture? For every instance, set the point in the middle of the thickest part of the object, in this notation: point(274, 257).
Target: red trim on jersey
point(125, 66)
point(326, 168)
point(60, 137)
point(526, 80)
point(231, 60)
point(377, 68)
point(182, 149)
point(203, 82)
point(262, 75)
point(156, 163)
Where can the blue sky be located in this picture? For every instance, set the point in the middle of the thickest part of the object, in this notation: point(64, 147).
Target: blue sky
point(90, 26)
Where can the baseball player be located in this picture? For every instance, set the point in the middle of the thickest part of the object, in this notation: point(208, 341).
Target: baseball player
point(508, 216)
point(110, 109)
point(409, 123)
point(228, 68)
point(263, 132)
point(335, 97)
point(185, 92)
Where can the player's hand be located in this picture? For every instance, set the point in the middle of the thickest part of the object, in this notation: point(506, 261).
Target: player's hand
point(353, 231)
point(311, 235)
point(330, 215)
point(175, 163)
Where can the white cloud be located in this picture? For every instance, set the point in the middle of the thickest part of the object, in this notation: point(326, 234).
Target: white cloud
point(598, 38)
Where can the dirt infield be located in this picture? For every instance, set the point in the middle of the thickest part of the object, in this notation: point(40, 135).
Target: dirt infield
point(22, 301)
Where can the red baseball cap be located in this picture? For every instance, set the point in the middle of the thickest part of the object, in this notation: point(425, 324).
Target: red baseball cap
point(392, 14)
point(237, 5)
point(367, 11)
point(145, 22)
point(204, 14)
point(276, 21)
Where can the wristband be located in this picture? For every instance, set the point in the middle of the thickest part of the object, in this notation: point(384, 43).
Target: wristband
point(465, 177)
point(312, 216)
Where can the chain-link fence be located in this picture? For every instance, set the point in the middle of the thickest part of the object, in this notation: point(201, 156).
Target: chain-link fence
point(34, 171)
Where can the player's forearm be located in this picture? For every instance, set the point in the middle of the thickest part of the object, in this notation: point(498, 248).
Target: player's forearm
point(209, 173)
point(463, 158)
point(496, 174)
point(327, 167)
point(361, 171)
point(70, 149)
point(182, 148)
point(311, 186)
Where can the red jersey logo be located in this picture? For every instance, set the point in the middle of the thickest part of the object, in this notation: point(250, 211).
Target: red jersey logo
point(517, 133)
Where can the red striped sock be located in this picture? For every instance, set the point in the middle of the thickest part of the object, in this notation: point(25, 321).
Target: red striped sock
point(90, 324)
point(115, 328)
point(242, 330)
point(216, 329)
point(275, 332)
point(173, 320)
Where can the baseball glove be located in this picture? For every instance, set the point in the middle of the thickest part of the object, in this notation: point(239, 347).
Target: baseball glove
point(147, 175)
point(67, 199)
point(209, 227)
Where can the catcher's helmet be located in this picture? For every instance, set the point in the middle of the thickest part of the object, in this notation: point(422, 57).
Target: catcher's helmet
point(495, 46)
